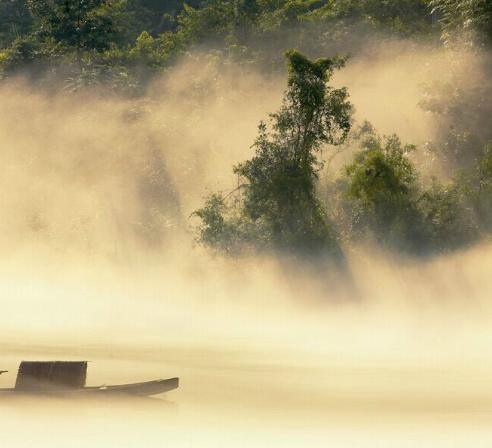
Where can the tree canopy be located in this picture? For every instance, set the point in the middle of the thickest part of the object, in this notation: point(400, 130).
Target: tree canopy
point(109, 33)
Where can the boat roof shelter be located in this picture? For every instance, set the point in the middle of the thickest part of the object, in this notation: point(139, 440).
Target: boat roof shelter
point(38, 376)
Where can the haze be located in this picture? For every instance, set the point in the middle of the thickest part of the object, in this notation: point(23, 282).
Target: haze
point(95, 265)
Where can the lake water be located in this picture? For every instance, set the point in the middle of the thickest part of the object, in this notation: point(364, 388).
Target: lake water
point(254, 399)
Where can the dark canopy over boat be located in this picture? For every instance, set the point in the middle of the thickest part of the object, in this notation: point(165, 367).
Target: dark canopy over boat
point(51, 375)
point(61, 377)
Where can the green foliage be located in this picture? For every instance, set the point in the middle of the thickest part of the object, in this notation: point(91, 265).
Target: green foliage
point(212, 22)
point(125, 33)
point(387, 200)
point(147, 52)
point(27, 55)
point(106, 79)
point(468, 21)
point(464, 114)
point(15, 21)
point(450, 221)
point(160, 7)
point(222, 228)
point(402, 17)
point(278, 185)
point(382, 186)
point(80, 24)
point(270, 27)
point(382, 177)
point(477, 185)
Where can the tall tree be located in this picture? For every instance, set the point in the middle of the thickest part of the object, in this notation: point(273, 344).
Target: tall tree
point(278, 206)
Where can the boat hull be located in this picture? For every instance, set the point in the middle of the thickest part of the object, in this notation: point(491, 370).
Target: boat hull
point(145, 389)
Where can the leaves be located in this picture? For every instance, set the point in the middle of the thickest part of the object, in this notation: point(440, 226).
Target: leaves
point(467, 21)
point(279, 199)
point(387, 200)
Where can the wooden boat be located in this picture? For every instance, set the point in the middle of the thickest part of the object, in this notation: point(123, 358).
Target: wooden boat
point(62, 378)
point(145, 389)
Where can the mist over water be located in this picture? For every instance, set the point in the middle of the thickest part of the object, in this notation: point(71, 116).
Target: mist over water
point(98, 263)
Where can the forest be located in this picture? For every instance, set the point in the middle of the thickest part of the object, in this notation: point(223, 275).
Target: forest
point(420, 200)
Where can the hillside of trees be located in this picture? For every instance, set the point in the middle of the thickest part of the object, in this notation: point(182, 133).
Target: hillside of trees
point(123, 43)
point(281, 204)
